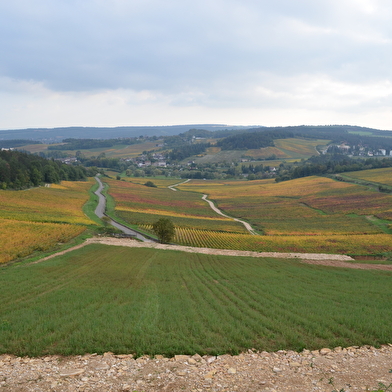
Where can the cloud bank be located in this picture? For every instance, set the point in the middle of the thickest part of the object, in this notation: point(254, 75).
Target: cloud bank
point(148, 62)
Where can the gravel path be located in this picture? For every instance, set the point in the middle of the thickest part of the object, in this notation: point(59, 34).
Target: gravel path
point(331, 260)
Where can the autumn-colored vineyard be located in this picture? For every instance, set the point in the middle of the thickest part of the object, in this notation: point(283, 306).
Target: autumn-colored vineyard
point(311, 214)
point(39, 218)
point(340, 244)
point(141, 205)
point(381, 176)
point(311, 205)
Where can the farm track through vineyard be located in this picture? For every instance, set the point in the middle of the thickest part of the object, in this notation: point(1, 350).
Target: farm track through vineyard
point(330, 260)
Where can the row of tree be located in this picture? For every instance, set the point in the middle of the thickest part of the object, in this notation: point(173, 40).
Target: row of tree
point(85, 144)
point(329, 164)
point(19, 170)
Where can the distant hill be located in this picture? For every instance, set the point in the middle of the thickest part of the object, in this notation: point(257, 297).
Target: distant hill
point(55, 135)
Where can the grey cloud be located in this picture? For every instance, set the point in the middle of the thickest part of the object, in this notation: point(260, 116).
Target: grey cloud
point(181, 46)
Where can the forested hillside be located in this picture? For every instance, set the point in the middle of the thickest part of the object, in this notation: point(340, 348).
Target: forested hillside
point(20, 170)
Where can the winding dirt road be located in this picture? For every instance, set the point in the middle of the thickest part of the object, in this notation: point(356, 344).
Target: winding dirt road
point(218, 211)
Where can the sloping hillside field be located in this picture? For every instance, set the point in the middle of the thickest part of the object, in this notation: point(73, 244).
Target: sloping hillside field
point(147, 301)
point(312, 214)
point(39, 218)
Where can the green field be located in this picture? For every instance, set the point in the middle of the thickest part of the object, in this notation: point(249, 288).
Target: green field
point(145, 301)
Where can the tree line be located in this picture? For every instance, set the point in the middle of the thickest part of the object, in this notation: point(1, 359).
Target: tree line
point(86, 144)
point(329, 164)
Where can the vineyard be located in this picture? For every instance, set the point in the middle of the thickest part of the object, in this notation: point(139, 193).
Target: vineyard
point(381, 176)
point(40, 218)
point(312, 214)
point(339, 244)
point(141, 205)
point(311, 205)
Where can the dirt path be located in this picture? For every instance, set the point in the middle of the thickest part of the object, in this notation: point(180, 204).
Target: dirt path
point(330, 260)
point(218, 211)
point(174, 189)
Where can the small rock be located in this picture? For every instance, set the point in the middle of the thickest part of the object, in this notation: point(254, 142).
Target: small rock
point(197, 357)
point(191, 361)
point(276, 369)
point(210, 374)
point(232, 371)
point(181, 373)
point(71, 372)
point(102, 366)
point(295, 364)
point(325, 351)
point(181, 358)
point(126, 387)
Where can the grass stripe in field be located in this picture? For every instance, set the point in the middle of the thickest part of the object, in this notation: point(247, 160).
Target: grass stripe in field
point(146, 301)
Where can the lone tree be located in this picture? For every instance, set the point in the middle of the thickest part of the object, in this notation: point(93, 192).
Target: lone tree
point(164, 229)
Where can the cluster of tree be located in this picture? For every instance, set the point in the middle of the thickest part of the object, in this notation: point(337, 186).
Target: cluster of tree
point(19, 170)
point(53, 154)
point(85, 144)
point(15, 143)
point(329, 164)
point(102, 161)
point(259, 139)
point(180, 153)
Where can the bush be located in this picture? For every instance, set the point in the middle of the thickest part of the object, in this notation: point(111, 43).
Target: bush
point(151, 184)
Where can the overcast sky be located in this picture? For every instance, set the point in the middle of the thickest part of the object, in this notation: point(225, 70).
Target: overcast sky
point(166, 62)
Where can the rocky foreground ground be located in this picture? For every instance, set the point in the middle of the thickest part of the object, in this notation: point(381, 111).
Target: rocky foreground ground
point(341, 369)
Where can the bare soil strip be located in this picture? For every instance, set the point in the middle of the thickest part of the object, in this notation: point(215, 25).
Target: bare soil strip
point(330, 260)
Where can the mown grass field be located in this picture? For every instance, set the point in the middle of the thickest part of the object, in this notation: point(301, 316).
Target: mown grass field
point(40, 218)
point(145, 301)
